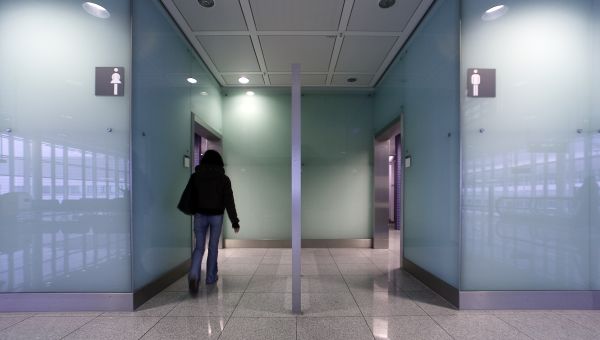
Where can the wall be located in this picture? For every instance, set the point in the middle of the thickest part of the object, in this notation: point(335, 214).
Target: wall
point(336, 153)
point(531, 180)
point(161, 136)
point(64, 184)
point(422, 83)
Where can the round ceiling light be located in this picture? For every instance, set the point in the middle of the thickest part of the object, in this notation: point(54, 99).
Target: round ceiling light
point(250, 93)
point(494, 13)
point(96, 10)
point(204, 93)
point(243, 80)
point(192, 80)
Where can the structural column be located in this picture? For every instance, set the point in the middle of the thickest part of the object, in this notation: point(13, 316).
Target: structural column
point(296, 191)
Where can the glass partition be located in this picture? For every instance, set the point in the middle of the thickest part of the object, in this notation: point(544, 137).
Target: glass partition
point(530, 154)
point(64, 152)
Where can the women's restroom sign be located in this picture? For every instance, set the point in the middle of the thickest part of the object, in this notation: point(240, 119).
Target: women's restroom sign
point(481, 82)
point(110, 81)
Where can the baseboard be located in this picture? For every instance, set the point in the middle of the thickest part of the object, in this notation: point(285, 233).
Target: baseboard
point(530, 299)
point(307, 243)
point(445, 290)
point(65, 302)
point(151, 289)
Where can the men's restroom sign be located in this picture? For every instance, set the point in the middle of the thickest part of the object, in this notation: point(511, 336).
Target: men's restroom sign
point(481, 82)
point(110, 81)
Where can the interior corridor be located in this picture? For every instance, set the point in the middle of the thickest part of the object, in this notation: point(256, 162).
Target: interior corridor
point(347, 294)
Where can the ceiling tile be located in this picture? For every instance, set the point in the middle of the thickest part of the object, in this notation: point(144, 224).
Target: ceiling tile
point(294, 15)
point(363, 54)
point(225, 15)
point(305, 79)
point(230, 53)
point(255, 79)
point(368, 16)
point(312, 52)
point(342, 79)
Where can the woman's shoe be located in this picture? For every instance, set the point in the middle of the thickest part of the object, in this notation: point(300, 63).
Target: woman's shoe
point(193, 286)
point(212, 282)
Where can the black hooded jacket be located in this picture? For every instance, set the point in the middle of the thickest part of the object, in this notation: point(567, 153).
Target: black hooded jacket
point(209, 193)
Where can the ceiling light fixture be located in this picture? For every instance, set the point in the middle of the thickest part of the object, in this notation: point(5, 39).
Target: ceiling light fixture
point(351, 80)
point(250, 93)
point(386, 3)
point(206, 3)
point(494, 13)
point(204, 93)
point(244, 80)
point(95, 10)
point(192, 80)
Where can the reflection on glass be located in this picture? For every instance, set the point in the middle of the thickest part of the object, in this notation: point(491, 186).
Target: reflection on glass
point(61, 210)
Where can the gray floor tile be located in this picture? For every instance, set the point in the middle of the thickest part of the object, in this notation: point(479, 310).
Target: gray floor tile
point(375, 252)
point(320, 269)
point(407, 327)
point(207, 304)
point(329, 304)
point(225, 284)
point(356, 252)
point(7, 321)
point(359, 269)
point(90, 314)
point(186, 328)
point(237, 269)
point(547, 326)
point(342, 328)
point(353, 260)
point(159, 305)
point(277, 260)
point(264, 305)
point(278, 252)
point(244, 260)
point(317, 259)
point(432, 303)
point(323, 284)
point(259, 329)
point(471, 326)
point(274, 269)
point(383, 283)
point(270, 284)
point(388, 267)
point(589, 319)
point(316, 251)
point(384, 304)
point(106, 328)
point(241, 252)
point(44, 327)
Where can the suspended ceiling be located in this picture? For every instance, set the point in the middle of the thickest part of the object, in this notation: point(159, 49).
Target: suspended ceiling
point(334, 40)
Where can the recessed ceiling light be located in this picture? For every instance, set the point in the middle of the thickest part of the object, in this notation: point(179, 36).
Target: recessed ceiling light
point(204, 93)
point(250, 93)
point(494, 12)
point(386, 3)
point(206, 3)
point(351, 80)
point(96, 10)
point(244, 80)
point(192, 80)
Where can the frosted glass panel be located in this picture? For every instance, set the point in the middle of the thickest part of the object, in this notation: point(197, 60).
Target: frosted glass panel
point(423, 85)
point(337, 146)
point(530, 155)
point(257, 149)
point(64, 178)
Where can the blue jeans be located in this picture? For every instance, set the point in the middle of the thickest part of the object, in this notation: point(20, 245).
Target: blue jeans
point(202, 224)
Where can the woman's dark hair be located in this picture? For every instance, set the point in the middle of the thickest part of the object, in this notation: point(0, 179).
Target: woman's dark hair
point(212, 157)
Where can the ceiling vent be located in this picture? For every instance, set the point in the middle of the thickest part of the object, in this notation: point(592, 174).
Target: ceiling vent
point(210, 3)
point(386, 3)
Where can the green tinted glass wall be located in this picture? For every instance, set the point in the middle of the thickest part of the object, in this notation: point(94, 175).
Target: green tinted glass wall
point(336, 153)
point(64, 152)
point(161, 135)
point(423, 85)
point(531, 176)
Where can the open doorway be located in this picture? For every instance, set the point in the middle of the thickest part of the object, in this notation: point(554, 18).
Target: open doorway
point(388, 170)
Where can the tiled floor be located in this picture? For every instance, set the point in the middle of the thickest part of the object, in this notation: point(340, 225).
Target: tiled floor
point(347, 294)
